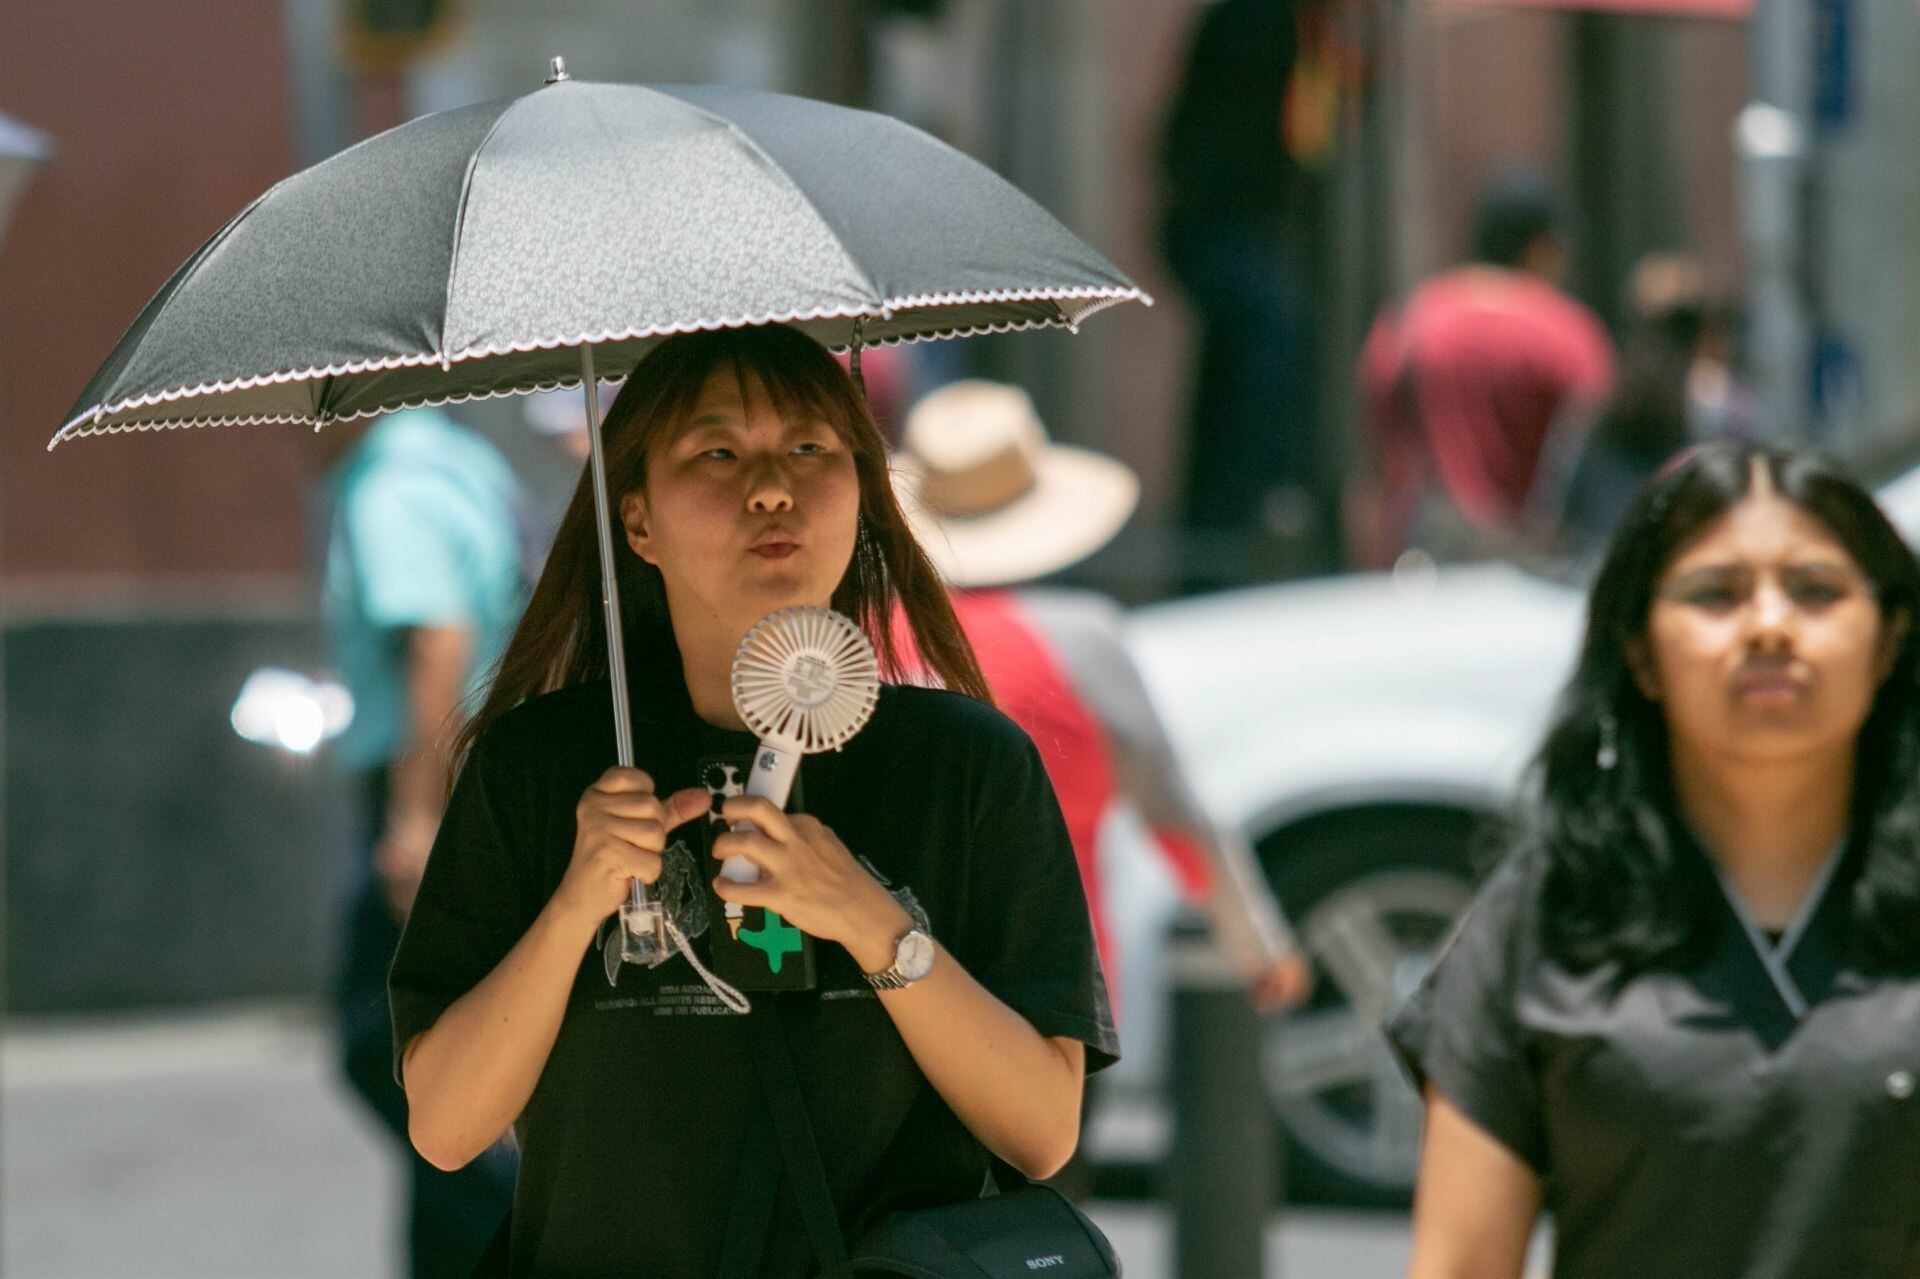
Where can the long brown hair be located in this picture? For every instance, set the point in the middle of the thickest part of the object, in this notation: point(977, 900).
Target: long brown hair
point(561, 639)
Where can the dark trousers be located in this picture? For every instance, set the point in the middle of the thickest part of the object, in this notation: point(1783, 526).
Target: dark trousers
point(1250, 439)
point(451, 1216)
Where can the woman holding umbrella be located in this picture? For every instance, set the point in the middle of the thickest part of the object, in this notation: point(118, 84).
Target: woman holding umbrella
point(1685, 1014)
point(748, 477)
point(550, 240)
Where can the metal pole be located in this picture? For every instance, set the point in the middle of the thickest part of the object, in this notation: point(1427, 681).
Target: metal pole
point(1771, 142)
point(1406, 86)
point(1596, 234)
point(320, 91)
point(1223, 1162)
point(21, 151)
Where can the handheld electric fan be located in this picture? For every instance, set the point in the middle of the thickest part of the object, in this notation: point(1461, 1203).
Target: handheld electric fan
point(805, 680)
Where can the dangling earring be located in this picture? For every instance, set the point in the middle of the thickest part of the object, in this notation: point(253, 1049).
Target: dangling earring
point(1608, 756)
point(853, 357)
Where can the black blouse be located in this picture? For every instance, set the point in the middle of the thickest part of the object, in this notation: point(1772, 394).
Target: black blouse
point(1754, 1116)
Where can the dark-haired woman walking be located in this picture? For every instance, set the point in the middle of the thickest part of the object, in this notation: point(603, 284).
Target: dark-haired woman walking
point(1684, 1015)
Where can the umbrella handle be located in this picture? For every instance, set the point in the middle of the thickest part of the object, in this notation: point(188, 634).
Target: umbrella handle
point(642, 922)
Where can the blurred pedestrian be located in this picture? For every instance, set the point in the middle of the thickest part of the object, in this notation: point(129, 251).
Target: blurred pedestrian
point(998, 505)
point(422, 586)
point(1234, 232)
point(1675, 387)
point(958, 1000)
point(1684, 1014)
point(1473, 384)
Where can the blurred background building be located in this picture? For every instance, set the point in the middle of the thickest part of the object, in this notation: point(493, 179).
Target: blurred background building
point(143, 581)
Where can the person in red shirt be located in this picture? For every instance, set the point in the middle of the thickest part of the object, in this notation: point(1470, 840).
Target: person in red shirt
point(996, 504)
point(1479, 391)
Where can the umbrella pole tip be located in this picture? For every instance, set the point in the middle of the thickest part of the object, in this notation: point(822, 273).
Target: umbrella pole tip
point(557, 71)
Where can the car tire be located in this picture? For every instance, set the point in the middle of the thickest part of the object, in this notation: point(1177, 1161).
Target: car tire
point(1372, 893)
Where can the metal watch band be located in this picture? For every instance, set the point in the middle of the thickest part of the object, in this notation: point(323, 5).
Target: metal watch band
point(896, 975)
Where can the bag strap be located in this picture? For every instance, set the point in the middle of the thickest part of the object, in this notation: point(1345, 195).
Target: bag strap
point(773, 1062)
point(1005, 1177)
point(751, 1216)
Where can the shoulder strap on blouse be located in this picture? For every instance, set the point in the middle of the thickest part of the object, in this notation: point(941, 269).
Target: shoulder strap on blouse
point(773, 1063)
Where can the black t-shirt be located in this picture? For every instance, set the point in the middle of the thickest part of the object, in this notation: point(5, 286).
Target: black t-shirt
point(630, 1144)
point(1722, 1120)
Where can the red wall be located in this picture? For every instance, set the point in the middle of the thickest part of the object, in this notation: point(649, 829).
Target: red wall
point(167, 119)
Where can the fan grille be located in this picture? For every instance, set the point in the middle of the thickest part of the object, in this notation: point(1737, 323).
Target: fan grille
point(806, 676)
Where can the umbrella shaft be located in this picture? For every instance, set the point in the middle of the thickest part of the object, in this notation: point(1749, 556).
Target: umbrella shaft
point(610, 598)
point(609, 583)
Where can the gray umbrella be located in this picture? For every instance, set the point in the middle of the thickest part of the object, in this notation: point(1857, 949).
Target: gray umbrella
point(548, 240)
point(471, 253)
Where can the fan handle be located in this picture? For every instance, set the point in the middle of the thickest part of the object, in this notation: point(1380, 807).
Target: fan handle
point(774, 769)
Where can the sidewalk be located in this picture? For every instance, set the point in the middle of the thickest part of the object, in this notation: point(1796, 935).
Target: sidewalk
point(218, 1146)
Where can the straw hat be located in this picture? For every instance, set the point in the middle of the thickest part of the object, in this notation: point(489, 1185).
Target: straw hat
point(994, 501)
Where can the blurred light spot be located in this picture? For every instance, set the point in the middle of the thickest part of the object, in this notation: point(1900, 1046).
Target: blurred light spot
point(298, 725)
point(1415, 572)
point(286, 709)
point(1766, 132)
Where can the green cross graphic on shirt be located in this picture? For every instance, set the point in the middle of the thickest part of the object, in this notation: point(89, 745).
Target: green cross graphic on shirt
point(776, 938)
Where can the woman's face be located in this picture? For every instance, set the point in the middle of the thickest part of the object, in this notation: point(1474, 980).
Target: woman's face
point(1764, 640)
point(745, 511)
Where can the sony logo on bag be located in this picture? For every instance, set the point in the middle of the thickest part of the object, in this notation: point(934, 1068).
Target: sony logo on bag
point(1046, 1263)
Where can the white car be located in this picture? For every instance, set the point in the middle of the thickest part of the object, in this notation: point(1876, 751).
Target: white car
point(1367, 733)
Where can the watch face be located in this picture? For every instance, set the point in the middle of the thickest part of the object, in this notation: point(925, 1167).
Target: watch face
point(914, 957)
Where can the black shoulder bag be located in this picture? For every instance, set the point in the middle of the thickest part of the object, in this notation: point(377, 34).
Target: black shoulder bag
point(1023, 1231)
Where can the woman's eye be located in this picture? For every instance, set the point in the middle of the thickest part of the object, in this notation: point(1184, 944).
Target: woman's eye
point(1714, 597)
point(810, 448)
point(718, 454)
point(1815, 594)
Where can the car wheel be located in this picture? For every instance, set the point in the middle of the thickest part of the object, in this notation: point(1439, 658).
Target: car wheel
point(1372, 894)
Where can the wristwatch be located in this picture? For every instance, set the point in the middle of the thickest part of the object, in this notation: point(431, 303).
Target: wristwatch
point(912, 960)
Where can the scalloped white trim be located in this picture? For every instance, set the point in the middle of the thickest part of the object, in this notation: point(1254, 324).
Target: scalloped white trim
point(259, 379)
point(1115, 294)
point(307, 419)
point(88, 423)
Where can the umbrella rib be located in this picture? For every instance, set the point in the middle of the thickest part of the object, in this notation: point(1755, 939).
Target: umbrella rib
point(459, 229)
point(177, 281)
point(873, 289)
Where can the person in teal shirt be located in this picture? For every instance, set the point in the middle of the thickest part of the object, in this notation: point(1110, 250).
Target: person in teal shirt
point(422, 587)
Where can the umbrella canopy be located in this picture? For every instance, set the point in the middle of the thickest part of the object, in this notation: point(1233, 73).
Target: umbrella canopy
point(471, 253)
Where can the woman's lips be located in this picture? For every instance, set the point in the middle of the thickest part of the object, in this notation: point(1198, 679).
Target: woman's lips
point(1768, 686)
point(775, 550)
